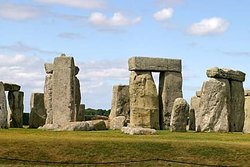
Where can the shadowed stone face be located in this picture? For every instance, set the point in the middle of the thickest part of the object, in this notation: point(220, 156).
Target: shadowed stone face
point(3, 108)
point(48, 98)
point(37, 113)
point(170, 88)
point(120, 102)
point(15, 99)
point(144, 103)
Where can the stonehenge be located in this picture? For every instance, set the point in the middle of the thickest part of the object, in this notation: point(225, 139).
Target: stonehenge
point(149, 109)
point(140, 107)
point(14, 117)
point(221, 106)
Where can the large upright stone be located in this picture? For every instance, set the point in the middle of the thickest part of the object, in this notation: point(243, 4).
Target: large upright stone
point(78, 114)
point(63, 96)
point(170, 88)
point(179, 115)
point(224, 73)
point(120, 102)
point(214, 106)
point(237, 114)
point(48, 68)
point(154, 64)
point(37, 113)
point(3, 108)
point(246, 128)
point(15, 99)
point(144, 104)
point(194, 112)
point(82, 112)
point(48, 98)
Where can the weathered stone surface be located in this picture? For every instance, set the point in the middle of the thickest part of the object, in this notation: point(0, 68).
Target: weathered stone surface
point(179, 115)
point(120, 102)
point(48, 98)
point(3, 108)
point(78, 115)
point(214, 106)
point(49, 127)
point(117, 122)
point(11, 87)
point(237, 114)
point(246, 128)
point(63, 96)
point(144, 103)
point(170, 88)
point(48, 68)
point(75, 126)
point(138, 131)
point(198, 93)
point(37, 113)
point(16, 106)
point(154, 64)
point(97, 125)
point(224, 73)
point(194, 112)
point(247, 92)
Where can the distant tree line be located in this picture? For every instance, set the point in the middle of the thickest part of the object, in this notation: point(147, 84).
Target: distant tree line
point(92, 112)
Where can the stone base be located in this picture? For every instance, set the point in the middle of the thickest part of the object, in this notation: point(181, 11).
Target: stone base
point(138, 131)
point(77, 126)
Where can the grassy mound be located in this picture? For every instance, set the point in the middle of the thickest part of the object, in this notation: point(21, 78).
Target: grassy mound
point(29, 147)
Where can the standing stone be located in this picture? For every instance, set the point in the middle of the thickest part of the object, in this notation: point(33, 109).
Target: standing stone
point(15, 99)
point(170, 88)
point(48, 98)
point(144, 103)
point(120, 102)
point(246, 128)
point(214, 106)
point(37, 113)
point(63, 96)
point(179, 115)
point(194, 112)
point(78, 115)
point(237, 115)
point(81, 112)
point(3, 108)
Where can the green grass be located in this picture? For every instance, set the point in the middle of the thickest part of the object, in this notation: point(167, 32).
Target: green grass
point(229, 149)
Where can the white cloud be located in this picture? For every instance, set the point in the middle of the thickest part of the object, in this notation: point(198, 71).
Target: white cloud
point(117, 20)
point(18, 12)
point(164, 14)
point(70, 35)
point(26, 71)
point(84, 4)
point(210, 26)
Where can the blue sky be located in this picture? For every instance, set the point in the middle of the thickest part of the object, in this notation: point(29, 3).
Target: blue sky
point(102, 34)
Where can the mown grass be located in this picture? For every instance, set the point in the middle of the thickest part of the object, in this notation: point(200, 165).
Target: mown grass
point(77, 148)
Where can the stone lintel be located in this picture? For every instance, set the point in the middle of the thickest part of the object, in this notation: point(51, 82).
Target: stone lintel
point(154, 64)
point(225, 73)
point(11, 87)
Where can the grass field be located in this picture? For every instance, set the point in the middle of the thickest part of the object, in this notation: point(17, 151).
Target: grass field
point(30, 147)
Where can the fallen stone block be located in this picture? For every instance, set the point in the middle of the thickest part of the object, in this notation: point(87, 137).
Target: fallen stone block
point(138, 131)
point(117, 123)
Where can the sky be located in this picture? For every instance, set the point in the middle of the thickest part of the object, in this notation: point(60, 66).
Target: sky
point(102, 35)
